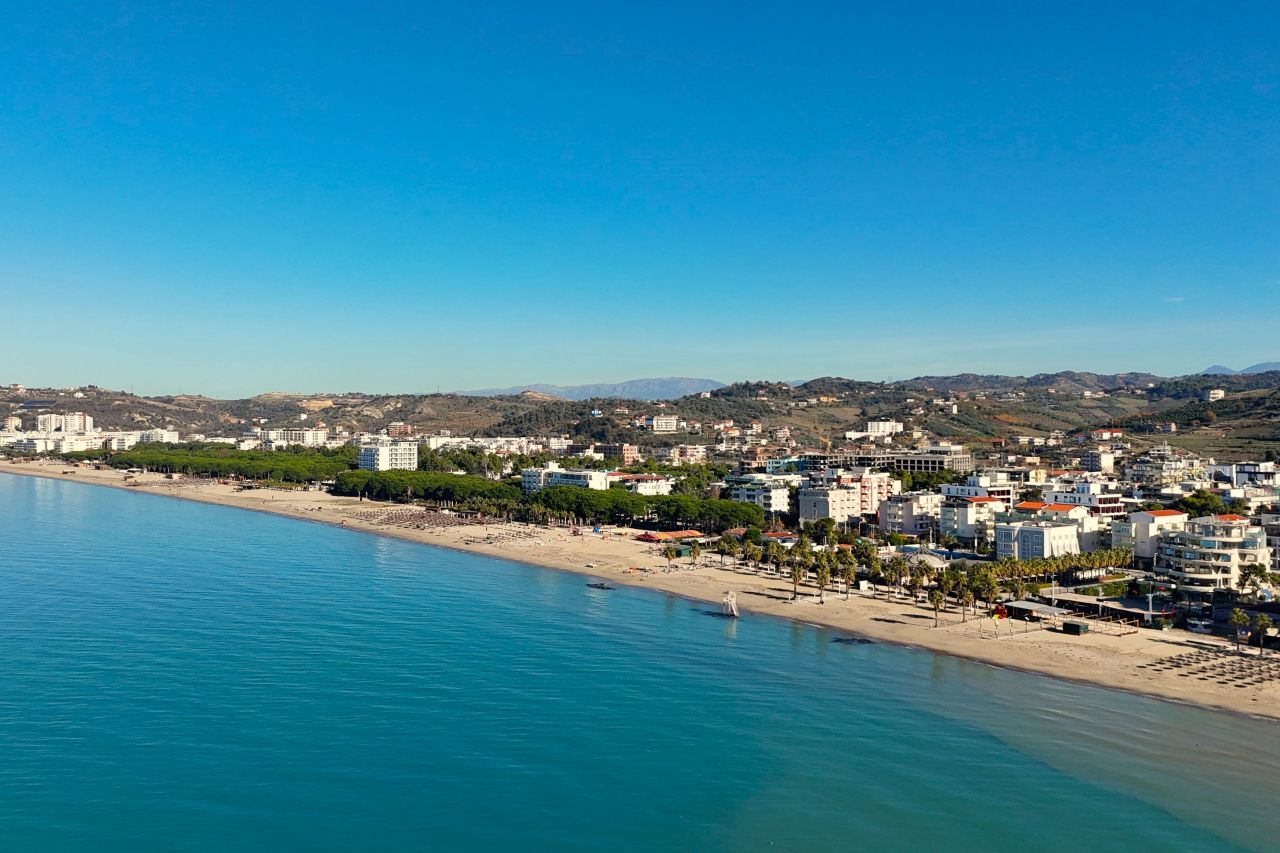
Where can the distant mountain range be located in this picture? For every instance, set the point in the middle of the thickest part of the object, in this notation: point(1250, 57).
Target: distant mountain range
point(1261, 367)
point(668, 388)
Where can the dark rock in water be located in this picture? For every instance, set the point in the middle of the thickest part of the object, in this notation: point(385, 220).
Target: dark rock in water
point(853, 641)
point(600, 586)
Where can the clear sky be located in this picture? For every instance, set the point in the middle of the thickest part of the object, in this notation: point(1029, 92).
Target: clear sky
point(229, 200)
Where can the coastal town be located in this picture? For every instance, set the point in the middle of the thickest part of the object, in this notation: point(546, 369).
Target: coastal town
point(1094, 536)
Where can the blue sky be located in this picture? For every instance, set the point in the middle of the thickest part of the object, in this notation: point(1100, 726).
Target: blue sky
point(420, 196)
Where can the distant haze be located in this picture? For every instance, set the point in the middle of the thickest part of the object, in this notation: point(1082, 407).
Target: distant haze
point(1260, 367)
point(632, 389)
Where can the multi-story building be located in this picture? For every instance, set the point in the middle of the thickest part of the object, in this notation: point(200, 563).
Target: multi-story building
point(1244, 473)
point(1099, 461)
point(643, 484)
point(288, 437)
point(1093, 495)
point(158, 436)
point(1086, 524)
point(551, 474)
point(991, 485)
point(1214, 394)
point(970, 520)
point(1022, 540)
point(1210, 552)
point(840, 503)
point(399, 429)
point(1270, 522)
point(1140, 532)
point(911, 514)
point(770, 492)
point(389, 455)
point(13, 423)
point(931, 459)
point(683, 454)
point(662, 423)
point(49, 423)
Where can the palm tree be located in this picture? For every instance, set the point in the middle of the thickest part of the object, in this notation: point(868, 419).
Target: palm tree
point(797, 575)
point(670, 553)
point(847, 564)
point(824, 577)
point(966, 601)
point(937, 599)
point(751, 553)
point(727, 546)
point(1261, 625)
point(1238, 620)
point(695, 551)
point(875, 572)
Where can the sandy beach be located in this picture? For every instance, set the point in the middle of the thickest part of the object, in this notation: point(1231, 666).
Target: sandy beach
point(1125, 662)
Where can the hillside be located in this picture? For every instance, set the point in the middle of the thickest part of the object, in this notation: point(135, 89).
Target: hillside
point(987, 409)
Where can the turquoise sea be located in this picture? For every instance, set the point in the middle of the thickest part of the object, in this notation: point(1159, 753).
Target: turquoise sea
point(176, 676)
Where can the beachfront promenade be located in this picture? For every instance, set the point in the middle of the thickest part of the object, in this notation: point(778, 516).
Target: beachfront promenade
point(1127, 661)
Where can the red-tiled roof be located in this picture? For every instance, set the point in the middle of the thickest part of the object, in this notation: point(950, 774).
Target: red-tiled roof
point(1031, 505)
point(1163, 513)
point(1232, 517)
point(1059, 507)
point(981, 500)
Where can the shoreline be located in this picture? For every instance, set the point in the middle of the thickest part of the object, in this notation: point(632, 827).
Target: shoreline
point(1094, 659)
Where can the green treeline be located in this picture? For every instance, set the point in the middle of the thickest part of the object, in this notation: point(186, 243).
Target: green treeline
point(612, 506)
point(295, 465)
point(422, 485)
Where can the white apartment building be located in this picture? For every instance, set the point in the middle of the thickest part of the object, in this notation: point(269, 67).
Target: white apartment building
point(770, 492)
point(662, 423)
point(77, 422)
point(1214, 394)
point(871, 487)
point(1022, 540)
point(683, 454)
point(158, 436)
point(49, 423)
point(36, 445)
point(911, 514)
point(119, 440)
point(841, 503)
point(993, 485)
point(551, 474)
point(389, 455)
point(643, 484)
point(1210, 552)
point(1245, 473)
point(971, 520)
point(1141, 531)
point(13, 423)
point(1093, 495)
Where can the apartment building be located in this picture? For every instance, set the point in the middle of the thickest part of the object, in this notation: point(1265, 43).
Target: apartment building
point(552, 474)
point(911, 514)
point(991, 485)
point(770, 492)
point(1141, 531)
point(389, 455)
point(1093, 495)
point(1023, 540)
point(970, 520)
point(1210, 552)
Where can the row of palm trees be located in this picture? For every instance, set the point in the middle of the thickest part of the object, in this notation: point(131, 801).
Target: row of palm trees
point(965, 585)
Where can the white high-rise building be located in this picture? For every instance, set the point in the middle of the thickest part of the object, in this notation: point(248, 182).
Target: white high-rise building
point(389, 455)
point(13, 423)
point(48, 423)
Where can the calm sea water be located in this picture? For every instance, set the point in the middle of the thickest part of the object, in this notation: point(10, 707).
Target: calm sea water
point(185, 677)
